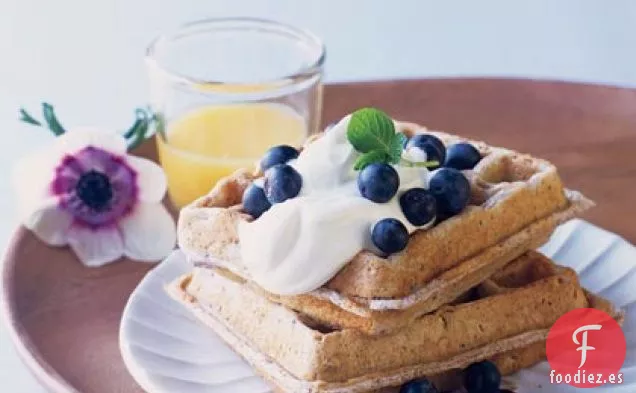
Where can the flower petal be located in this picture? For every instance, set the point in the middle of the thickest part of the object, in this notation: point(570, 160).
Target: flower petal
point(76, 139)
point(50, 224)
point(149, 232)
point(151, 179)
point(95, 247)
point(31, 180)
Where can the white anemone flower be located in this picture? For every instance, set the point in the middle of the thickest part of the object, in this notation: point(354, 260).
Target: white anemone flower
point(84, 191)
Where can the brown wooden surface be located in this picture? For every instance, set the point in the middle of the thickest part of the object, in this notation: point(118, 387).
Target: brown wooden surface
point(66, 317)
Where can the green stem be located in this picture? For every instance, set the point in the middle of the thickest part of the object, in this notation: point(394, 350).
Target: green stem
point(424, 164)
point(134, 136)
point(52, 123)
point(137, 133)
point(140, 119)
point(51, 120)
point(27, 118)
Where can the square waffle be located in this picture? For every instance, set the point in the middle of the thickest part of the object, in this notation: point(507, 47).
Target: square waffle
point(506, 318)
point(516, 202)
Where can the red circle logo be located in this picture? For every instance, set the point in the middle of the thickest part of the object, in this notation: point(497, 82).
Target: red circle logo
point(586, 348)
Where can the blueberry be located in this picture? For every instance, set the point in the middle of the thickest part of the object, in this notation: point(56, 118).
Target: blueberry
point(434, 148)
point(462, 156)
point(418, 386)
point(281, 183)
point(418, 205)
point(255, 202)
point(278, 155)
point(451, 190)
point(378, 182)
point(389, 235)
point(482, 377)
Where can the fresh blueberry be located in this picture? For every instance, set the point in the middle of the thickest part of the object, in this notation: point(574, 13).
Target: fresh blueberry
point(434, 148)
point(255, 202)
point(482, 377)
point(451, 190)
point(418, 205)
point(281, 183)
point(389, 235)
point(419, 386)
point(462, 156)
point(278, 155)
point(378, 182)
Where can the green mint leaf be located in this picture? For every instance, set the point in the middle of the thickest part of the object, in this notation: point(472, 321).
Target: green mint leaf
point(402, 138)
point(369, 158)
point(27, 118)
point(397, 143)
point(51, 120)
point(371, 129)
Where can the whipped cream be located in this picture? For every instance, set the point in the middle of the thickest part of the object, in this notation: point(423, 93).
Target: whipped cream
point(298, 245)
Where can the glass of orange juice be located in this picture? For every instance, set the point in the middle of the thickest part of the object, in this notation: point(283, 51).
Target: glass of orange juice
point(226, 90)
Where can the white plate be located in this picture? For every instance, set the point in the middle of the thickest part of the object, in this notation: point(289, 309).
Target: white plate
point(167, 350)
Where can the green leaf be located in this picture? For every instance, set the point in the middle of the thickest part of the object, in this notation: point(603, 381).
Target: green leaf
point(397, 145)
point(27, 118)
point(52, 123)
point(369, 158)
point(137, 133)
point(51, 120)
point(140, 119)
point(371, 129)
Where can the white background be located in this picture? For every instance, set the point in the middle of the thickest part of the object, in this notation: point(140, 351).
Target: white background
point(85, 56)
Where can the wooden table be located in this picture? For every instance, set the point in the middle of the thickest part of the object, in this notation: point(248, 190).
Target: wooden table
point(66, 317)
point(587, 131)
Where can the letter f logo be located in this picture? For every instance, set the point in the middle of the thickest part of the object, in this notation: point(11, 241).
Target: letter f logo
point(583, 345)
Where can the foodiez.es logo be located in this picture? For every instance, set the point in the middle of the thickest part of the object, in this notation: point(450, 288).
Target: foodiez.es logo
point(586, 348)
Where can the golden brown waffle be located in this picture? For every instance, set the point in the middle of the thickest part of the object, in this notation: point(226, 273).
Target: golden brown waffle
point(507, 363)
point(517, 201)
point(512, 310)
point(381, 316)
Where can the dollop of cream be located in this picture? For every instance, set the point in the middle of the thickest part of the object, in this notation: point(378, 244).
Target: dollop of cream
point(298, 245)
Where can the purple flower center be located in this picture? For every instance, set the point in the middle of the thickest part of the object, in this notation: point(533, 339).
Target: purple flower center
point(96, 187)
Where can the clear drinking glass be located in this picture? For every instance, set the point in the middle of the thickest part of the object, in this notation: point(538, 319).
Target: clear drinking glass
point(226, 90)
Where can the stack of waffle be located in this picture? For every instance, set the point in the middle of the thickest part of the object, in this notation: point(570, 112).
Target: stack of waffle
point(466, 290)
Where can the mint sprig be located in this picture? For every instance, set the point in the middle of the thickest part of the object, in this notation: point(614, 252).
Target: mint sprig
point(372, 133)
point(397, 145)
point(369, 158)
point(370, 129)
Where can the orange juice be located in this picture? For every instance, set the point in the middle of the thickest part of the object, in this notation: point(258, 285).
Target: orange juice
point(211, 142)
